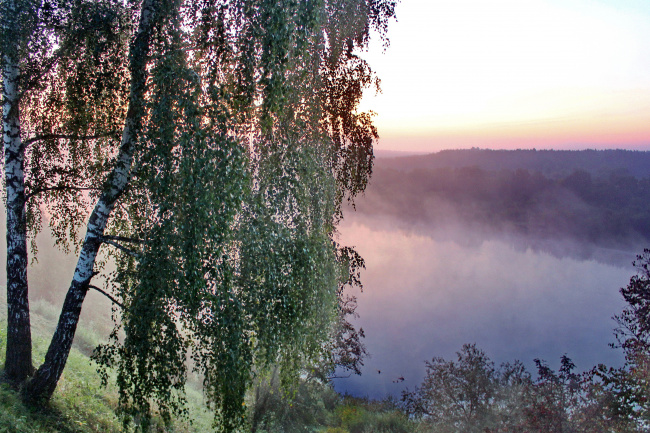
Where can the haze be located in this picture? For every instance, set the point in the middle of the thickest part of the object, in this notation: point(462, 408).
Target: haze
point(521, 252)
point(524, 265)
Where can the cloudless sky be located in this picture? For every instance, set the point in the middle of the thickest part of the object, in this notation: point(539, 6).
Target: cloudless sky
point(564, 74)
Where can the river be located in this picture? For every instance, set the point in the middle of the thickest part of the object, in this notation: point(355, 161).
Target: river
point(426, 295)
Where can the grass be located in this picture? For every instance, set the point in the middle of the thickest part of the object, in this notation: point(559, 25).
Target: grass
point(80, 403)
point(358, 415)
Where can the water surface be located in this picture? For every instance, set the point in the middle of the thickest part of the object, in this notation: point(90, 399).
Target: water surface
point(427, 295)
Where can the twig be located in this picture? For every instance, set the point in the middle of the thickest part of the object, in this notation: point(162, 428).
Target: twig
point(59, 188)
point(340, 377)
point(121, 247)
point(113, 300)
point(124, 239)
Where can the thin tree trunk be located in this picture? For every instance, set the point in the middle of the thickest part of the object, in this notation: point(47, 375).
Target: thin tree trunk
point(42, 385)
point(47, 376)
point(18, 363)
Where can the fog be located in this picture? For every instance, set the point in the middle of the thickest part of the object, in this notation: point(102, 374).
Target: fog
point(522, 253)
point(427, 293)
point(520, 264)
point(49, 275)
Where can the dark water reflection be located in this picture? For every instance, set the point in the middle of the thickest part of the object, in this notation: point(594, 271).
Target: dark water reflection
point(427, 294)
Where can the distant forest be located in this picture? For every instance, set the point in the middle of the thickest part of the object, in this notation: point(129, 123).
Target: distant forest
point(599, 197)
point(551, 163)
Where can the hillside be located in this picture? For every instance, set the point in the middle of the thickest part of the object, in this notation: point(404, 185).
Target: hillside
point(82, 405)
point(551, 163)
point(593, 199)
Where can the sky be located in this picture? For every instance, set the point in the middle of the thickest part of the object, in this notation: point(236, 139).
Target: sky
point(507, 74)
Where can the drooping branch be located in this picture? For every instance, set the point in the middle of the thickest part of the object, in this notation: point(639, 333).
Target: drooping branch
point(120, 247)
point(43, 383)
point(68, 137)
point(49, 64)
point(46, 68)
point(113, 300)
point(124, 239)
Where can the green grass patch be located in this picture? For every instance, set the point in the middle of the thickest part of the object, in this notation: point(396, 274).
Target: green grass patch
point(82, 405)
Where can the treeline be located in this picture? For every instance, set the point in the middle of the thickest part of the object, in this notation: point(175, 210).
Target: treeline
point(551, 163)
point(472, 395)
point(611, 210)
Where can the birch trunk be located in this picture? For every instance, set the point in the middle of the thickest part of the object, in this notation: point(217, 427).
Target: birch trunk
point(42, 385)
point(18, 363)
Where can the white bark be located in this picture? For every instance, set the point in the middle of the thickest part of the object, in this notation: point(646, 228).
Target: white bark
point(46, 378)
point(18, 364)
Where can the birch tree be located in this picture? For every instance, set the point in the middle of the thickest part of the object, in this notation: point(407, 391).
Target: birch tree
point(215, 142)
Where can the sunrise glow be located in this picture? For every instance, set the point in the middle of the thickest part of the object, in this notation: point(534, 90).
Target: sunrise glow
point(514, 74)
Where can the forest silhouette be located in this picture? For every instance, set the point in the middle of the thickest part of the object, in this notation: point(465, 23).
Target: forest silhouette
point(599, 198)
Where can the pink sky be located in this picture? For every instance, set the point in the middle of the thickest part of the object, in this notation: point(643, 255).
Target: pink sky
point(514, 74)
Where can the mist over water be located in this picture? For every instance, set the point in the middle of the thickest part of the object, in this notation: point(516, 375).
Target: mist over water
point(448, 268)
point(429, 290)
point(427, 293)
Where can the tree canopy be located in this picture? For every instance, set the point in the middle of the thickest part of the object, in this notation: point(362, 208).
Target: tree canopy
point(217, 141)
point(629, 383)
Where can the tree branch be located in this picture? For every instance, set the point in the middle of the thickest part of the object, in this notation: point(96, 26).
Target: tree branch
point(118, 246)
point(68, 137)
point(48, 65)
point(59, 188)
point(113, 300)
point(124, 239)
point(340, 377)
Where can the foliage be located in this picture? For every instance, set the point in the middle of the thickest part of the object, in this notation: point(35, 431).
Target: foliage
point(299, 408)
point(75, 91)
point(357, 415)
point(345, 351)
point(309, 400)
point(468, 394)
point(630, 383)
point(471, 395)
point(312, 406)
point(633, 331)
point(240, 139)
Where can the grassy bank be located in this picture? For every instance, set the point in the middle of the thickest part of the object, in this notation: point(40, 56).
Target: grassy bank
point(81, 405)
